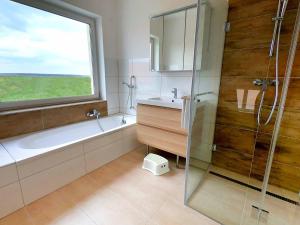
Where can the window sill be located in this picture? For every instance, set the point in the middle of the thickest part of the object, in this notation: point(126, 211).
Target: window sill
point(9, 112)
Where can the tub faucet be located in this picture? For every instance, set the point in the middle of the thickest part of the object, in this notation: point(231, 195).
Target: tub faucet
point(93, 113)
point(174, 91)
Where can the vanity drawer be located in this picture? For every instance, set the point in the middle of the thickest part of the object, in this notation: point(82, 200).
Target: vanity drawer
point(160, 117)
point(168, 141)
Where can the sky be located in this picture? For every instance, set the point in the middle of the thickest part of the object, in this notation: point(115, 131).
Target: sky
point(35, 41)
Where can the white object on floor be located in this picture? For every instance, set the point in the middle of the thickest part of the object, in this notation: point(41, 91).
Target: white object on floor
point(156, 164)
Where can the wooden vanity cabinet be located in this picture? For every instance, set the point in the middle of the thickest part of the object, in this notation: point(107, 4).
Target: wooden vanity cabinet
point(160, 127)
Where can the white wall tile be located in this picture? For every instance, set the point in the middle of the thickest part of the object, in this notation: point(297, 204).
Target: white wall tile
point(111, 67)
point(183, 84)
point(113, 100)
point(112, 84)
point(49, 160)
point(41, 184)
point(5, 158)
point(99, 142)
point(103, 155)
point(112, 111)
point(125, 67)
point(130, 141)
point(10, 199)
point(8, 175)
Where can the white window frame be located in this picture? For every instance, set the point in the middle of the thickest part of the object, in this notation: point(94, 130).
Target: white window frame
point(48, 6)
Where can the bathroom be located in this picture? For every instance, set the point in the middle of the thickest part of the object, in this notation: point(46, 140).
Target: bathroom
point(209, 85)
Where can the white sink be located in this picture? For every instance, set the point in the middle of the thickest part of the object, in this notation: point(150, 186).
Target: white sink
point(162, 102)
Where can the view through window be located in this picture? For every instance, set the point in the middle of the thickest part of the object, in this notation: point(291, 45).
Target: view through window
point(42, 55)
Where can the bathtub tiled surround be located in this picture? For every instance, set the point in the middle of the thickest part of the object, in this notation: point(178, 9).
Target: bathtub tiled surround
point(10, 191)
point(31, 121)
point(39, 175)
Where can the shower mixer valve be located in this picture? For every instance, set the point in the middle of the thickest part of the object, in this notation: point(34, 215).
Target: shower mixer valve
point(264, 83)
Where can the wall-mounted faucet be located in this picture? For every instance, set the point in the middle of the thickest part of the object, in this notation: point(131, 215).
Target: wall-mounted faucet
point(131, 85)
point(174, 91)
point(93, 114)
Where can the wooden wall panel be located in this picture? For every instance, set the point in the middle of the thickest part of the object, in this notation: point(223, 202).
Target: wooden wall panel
point(240, 63)
point(241, 9)
point(20, 123)
point(232, 161)
point(257, 32)
point(234, 138)
point(27, 122)
point(245, 59)
point(229, 114)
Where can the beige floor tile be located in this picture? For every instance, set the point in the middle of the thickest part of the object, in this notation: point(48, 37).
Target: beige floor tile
point(174, 213)
point(54, 209)
point(119, 193)
point(19, 217)
point(109, 208)
point(231, 204)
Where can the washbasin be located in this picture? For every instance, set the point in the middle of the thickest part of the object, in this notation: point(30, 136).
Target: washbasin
point(163, 102)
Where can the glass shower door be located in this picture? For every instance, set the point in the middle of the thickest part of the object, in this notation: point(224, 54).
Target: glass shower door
point(208, 193)
point(228, 152)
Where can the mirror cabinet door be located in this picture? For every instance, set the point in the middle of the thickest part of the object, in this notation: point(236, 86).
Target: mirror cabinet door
point(190, 30)
point(156, 42)
point(173, 44)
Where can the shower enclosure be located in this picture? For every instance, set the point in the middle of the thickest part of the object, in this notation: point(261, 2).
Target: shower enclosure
point(243, 163)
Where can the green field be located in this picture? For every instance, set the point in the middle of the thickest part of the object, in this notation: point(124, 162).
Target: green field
point(15, 88)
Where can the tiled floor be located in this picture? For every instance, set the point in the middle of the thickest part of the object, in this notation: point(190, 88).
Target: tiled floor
point(231, 204)
point(119, 193)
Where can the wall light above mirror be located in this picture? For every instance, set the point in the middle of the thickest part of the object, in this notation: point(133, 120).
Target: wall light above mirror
point(172, 38)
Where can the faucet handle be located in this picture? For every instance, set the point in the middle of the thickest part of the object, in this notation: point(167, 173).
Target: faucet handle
point(93, 113)
point(175, 91)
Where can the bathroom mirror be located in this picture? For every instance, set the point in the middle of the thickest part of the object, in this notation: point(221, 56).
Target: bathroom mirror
point(172, 39)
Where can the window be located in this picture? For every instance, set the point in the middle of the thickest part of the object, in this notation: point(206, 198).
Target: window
point(47, 55)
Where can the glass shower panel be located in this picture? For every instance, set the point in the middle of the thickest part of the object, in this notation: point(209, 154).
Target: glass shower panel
point(206, 188)
point(228, 149)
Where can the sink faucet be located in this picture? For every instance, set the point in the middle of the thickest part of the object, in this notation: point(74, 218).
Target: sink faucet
point(174, 91)
point(93, 113)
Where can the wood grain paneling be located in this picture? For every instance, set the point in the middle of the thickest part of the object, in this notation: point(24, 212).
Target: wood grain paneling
point(160, 117)
point(20, 123)
point(282, 175)
point(293, 97)
point(287, 149)
point(241, 63)
point(27, 122)
point(234, 138)
point(253, 33)
point(253, 63)
point(71, 114)
point(251, 8)
point(229, 114)
point(290, 124)
point(246, 58)
point(232, 161)
point(162, 139)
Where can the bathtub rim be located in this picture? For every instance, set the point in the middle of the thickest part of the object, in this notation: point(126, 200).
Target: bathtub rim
point(58, 148)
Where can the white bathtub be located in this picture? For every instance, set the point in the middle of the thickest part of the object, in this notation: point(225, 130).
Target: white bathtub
point(47, 160)
point(31, 145)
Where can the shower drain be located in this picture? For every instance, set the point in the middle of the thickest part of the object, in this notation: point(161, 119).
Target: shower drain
point(255, 188)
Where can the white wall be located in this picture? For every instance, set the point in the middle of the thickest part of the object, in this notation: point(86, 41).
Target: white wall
point(126, 30)
point(133, 50)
